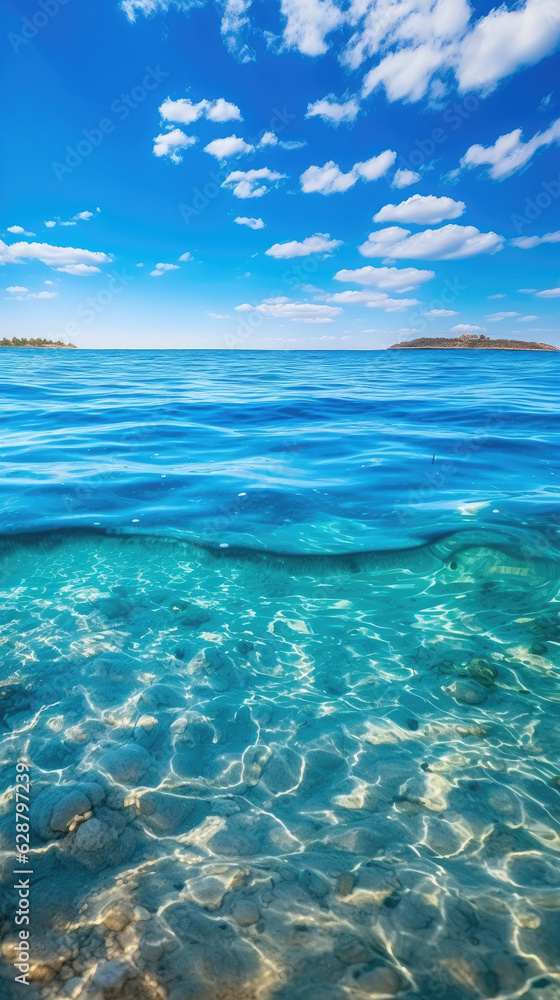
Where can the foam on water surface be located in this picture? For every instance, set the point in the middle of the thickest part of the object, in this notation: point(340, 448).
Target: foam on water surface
point(268, 775)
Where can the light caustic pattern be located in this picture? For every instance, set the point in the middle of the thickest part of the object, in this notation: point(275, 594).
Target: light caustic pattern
point(285, 777)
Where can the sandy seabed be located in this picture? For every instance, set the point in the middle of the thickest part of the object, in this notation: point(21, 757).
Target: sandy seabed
point(259, 777)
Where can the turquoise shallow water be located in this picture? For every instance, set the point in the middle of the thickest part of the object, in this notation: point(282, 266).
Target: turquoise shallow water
point(300, 746)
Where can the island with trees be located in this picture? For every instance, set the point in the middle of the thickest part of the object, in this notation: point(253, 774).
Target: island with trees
point(34, 342)
point(470, 341)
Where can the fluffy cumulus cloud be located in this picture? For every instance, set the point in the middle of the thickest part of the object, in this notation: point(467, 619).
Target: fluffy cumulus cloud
point(69, 259)
point(332, 111)
point(184, 112)
point(318, 243)
point(186, 257)
point(22, 293)
point(231, 145)
point(330, 179)
point(440, 313)
point(528, 242)
point(252, 183)
point(285, 308)
point(414, 45)
point(448, 243)
point(548, 293)
point(160, 269)
point(509, 153)
point(404, 178)
point(396, 279)
point(244, 220)
point(467, 328)
point(506, 40)
point(169, 144)
point(422, 209)
point(82, 270)
point(19, 231)
point(374, 300)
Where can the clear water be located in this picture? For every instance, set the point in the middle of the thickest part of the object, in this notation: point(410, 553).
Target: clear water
point(288, 686)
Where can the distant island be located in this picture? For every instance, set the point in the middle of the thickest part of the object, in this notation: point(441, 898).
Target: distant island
point(34, 342)
point(470, 341)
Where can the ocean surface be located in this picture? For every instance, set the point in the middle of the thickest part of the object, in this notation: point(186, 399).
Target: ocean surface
point(280, 639)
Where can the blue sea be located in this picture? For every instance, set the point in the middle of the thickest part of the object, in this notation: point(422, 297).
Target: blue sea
point(280, 641)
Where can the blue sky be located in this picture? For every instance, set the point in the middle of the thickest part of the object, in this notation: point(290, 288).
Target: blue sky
point(398, 174)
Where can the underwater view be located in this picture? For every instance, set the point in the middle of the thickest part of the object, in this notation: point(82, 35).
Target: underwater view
point(280, 640)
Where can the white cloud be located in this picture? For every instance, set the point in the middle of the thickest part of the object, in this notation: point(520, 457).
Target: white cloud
point(245, 183)
point(548, 293)
point(498, 295)
point(396, 279)
point(506, 40)
point(405, 74)
point(404, 178)
point(327, 180)
point(284, 308)
point(414, 45)
point(168, 144)
point(467, 328)
point(318, 243)
point(526, 319)
point(307, 23)
point(79, 217)
point(56, 257)
point(448, 243)
point(223, 111)
point(499, 316)
point(528, 242)
point(185, 257)
point(509, 153)
point(185, 112)
point(231, 145)
point(22, 293)
point(422, 209)
point(333, 111)
point(214, 315)
point(437, 313)
point(377, 166)
point(160, 269)
point(19, 231)
point(330, 179)
point(374, 300)
point(82, 270)
point(244, 220)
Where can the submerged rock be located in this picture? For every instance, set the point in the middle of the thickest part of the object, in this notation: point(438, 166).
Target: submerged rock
point(126, 764)
point(59, 807)
point(467, 692)
point(246, 912)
